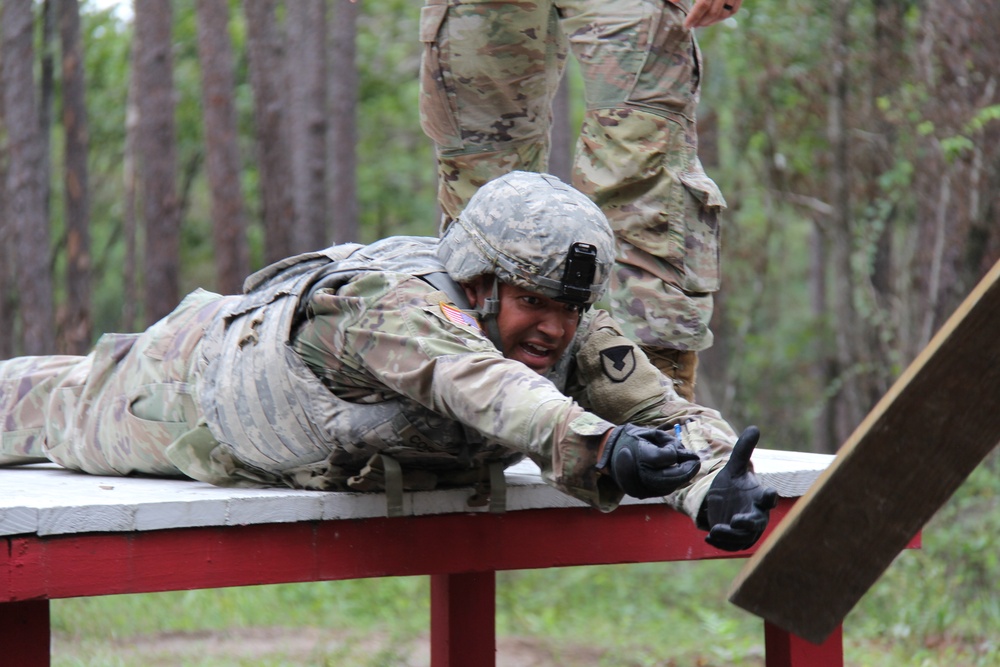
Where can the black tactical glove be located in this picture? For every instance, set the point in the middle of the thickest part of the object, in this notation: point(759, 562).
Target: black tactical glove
point(737, 505)
point(647, 462)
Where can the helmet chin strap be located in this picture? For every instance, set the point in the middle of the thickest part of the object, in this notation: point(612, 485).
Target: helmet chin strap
point(488, 312)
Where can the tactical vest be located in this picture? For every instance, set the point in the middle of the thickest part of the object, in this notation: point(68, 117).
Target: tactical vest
point(274, 415)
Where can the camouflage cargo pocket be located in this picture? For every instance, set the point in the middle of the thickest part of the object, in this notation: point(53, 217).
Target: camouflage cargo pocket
point(703, 204)
point(670, 79)
point(156, 416)
point(437, 96)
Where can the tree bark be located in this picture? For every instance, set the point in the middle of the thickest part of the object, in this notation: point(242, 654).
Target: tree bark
point(956, 187)
point(343, 189)
point(270, 98)
point(825, 435)
point(158, 150)
point(76, 325)
point(25, 198)
point(8, 305)
point(232, 253)
point(307, 72)
point(888, 62)
point(50, 16)
point(130, 179)
point(846, 322)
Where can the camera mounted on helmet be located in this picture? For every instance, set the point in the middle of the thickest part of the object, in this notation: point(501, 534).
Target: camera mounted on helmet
point(578, 277)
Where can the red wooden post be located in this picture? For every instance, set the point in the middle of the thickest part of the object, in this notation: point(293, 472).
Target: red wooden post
point(24, 633)
point(783, 649)
point(463, 620)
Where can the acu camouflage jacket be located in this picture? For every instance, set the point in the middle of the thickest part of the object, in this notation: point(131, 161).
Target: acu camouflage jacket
point(334, 359)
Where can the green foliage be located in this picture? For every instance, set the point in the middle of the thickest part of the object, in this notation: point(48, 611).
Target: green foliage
point(396, 167)
point(396, 173)
point(640, 614)
point(363, 604)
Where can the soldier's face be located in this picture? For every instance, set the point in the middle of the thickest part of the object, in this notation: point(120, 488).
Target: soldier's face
point(534, 329)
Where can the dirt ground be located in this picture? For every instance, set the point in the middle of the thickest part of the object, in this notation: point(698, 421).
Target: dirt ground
point(314, 647)
point(300, 646)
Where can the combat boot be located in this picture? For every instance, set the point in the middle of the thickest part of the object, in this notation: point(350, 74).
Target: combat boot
point(681, 366)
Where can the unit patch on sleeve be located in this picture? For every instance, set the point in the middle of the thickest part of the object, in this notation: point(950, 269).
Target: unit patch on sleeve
point(618, 362)
point(461, 318)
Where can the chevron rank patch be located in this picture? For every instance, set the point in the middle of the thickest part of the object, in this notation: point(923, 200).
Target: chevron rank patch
point(459, 317)
point(618, 362)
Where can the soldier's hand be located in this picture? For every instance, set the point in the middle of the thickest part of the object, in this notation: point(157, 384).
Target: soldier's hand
point(738, 505)
point(708, 12)
point(647, 462)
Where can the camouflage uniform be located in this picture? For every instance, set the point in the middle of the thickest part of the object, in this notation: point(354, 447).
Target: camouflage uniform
point(132, 406)
point(489, 72)
point(115, 411)
point(363, 367)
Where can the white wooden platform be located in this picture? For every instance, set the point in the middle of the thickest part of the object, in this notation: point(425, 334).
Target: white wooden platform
point(44, 499)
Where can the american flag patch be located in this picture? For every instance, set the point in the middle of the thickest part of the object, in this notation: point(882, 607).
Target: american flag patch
point(456, 316)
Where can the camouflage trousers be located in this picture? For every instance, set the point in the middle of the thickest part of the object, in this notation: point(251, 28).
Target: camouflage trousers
point(489, 72)
point(114, 411)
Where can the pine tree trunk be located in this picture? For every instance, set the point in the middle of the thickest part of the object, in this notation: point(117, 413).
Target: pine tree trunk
point(232, 254)
point(307, 121)
point(851, 407)
point(270, 99)
point(343, 190)
point(50, 16)
point(959, 239)
point(130, 180)
point(158, 151)
point(76, 325)
point(25, 199)
point(8, 305)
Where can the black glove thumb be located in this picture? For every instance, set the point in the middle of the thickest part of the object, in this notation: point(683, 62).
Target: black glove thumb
point(738, 505)
point(739, 459)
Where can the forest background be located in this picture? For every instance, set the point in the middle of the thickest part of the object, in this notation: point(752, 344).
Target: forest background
point(153, 147)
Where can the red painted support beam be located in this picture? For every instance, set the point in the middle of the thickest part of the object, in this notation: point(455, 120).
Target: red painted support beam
point(461, 552)
point(33, 567)
point(24, 633)
point(463, 620)
point(784, 649)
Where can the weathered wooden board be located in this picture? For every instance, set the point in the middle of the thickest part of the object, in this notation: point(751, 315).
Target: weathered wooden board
point(909, 455)
point(44, 499)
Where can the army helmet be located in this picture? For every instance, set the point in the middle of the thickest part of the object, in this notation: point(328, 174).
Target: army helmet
point(536, 232)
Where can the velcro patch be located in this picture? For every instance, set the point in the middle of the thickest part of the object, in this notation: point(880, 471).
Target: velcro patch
point(618, 362)
point(459, 317)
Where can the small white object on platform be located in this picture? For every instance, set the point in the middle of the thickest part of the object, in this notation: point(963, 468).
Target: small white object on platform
point(44, 499)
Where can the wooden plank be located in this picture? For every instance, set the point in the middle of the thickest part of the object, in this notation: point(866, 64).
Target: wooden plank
point(902, 463)
point(48, 500)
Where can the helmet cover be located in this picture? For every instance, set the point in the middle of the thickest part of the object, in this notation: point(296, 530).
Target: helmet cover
point(536, 232)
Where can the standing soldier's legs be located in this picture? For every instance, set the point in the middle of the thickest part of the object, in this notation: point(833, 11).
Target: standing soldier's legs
point(488, 76)
point(489, 73)
point(637, 159)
